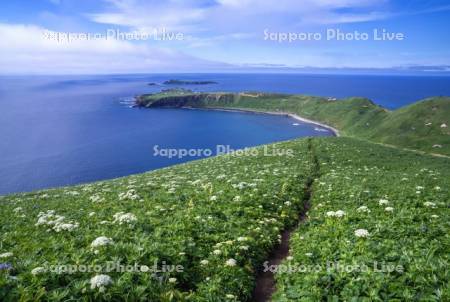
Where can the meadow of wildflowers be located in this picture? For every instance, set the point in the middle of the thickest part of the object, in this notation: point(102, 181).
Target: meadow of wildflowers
point(392, 244)
point(201, 231)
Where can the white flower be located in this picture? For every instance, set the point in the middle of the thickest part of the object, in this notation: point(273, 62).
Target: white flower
point(244, 247)
point(130, 195)
point(230, 296)
point(204, 262)
point(429, 204)
point(101, 241)
point(38, 270)
point(230, 262)
point(100, 282)
point(389, 209)
point(383, 202)
point(434, 216)
point(240, 239)
point(6, 255)
point(96, 198)
point(437, 188)
point(363, 209)
point(237, 198)
point(339, 213)
point(213, 198)
point(91, 214)
point(361, 233)
point(289, 258)
point(17, 210)
point(330, 213)
point(172, 280)
point(308, 254)
point(65, 227)
point(122, 218)
point(217, 252)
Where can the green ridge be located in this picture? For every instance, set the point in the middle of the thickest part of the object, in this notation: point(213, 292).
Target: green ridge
point(407, 127)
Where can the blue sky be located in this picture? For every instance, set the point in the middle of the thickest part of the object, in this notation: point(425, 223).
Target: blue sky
point(223, 35)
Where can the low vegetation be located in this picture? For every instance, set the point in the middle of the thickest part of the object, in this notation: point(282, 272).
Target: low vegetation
point(219, 218)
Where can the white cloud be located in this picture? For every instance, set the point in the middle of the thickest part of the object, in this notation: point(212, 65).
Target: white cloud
point(225, 15)
point(24, 49)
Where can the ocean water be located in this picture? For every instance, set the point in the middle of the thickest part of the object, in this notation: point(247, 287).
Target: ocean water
point(63, 130)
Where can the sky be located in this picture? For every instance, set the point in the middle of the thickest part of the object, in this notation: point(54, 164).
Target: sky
point(118, 36)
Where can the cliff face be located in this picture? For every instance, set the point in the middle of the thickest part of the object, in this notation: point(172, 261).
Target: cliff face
point(188, 100)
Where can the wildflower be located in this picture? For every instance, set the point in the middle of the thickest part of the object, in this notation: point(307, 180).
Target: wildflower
point(308, 254)
point(101, 241)
point(361, 233)
point(6, 255)
point(429, 204)
point(389, 209)
point(363, 209)
point(230, 262)
point(122, 218)
point(204, 262)
point(213, 198)
point(38, 271)
point(289, 258)
point(434, 216)
point(130, 195)
point(217, 252)
point(383, 202)
point(172, 280)
point(437, 188)
point(240, 239)
point(331, 214)
point(339, 213)
point(244, 247)
point(230, 296)
point(100, 282)
point(91, 214)
point(237, 198)
point(65, 227)
point(17, 210)
point(96, 198)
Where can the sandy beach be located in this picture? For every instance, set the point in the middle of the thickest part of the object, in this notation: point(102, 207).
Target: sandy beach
point(291, 115)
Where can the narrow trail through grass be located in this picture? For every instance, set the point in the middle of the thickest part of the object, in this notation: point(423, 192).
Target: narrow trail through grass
point(265, 285)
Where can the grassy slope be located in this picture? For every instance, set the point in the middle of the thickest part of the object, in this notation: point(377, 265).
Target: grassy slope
point(412, 235)
point(356, 117)
point(180, 222)
point(183, 214)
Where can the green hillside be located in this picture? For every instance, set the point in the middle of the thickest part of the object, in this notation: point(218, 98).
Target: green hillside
point(220, 218)
point(420, 126)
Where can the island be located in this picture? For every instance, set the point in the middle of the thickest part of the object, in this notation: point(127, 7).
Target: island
point(184, 82)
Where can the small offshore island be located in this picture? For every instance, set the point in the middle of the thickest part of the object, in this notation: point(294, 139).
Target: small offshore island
point(184, 82)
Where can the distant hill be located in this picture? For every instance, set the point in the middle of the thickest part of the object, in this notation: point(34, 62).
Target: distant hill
point(421, 126)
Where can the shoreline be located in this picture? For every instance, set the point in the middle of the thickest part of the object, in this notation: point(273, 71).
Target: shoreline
point(287, 114)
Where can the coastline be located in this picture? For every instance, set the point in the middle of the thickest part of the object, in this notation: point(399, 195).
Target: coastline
point(288, 114)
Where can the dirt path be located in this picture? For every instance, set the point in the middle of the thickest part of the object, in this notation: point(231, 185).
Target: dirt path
point(265, 281)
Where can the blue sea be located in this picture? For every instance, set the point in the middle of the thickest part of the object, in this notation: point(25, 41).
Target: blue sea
point(64, 130)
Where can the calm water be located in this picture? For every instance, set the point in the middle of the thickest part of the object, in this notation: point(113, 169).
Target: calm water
point(58, 131)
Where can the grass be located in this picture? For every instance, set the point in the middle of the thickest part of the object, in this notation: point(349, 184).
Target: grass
point(219, 219)
point(420, 126)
